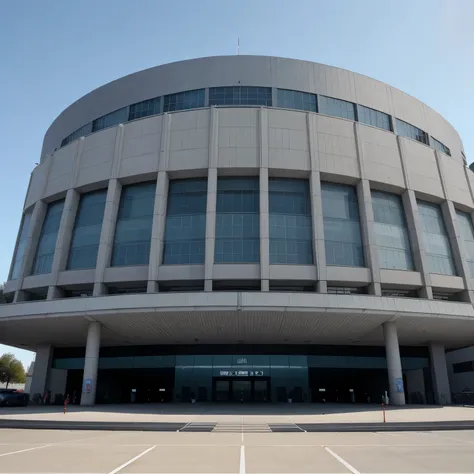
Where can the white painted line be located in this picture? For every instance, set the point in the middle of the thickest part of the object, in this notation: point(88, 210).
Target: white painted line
point(138, 456)
point(344, 463)
point(182, 428)
point(24, 450)
point(242, 460)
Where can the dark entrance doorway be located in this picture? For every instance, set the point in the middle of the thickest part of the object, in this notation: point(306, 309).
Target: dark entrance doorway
point(241, 389)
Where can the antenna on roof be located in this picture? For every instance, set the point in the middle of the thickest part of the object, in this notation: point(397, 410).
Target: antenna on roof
point(238, 46)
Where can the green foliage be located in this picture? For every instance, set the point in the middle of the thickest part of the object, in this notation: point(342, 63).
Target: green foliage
point(11, 369)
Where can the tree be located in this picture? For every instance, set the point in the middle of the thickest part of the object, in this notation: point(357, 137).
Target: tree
point(11, 369)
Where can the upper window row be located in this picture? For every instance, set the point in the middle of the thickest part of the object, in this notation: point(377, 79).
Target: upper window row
point(258, 96)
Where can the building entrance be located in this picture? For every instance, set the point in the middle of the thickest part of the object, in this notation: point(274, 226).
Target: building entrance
point(241, 389)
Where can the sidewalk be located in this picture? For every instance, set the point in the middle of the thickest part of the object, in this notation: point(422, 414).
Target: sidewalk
point(212, 413)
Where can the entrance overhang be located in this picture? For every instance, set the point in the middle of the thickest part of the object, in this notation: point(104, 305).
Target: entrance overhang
point(237, 317)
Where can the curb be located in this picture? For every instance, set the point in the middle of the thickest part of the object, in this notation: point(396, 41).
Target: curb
point(170, 426)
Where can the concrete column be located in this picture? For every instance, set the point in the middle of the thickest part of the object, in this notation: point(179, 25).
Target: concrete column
point(91, 364)
point(264, 205)
point(39, 381)
point(457, 248)
point(158, 231)
point(439, 374)
point(394, 364)
point(371, 250)
point(63, 240)
point(416, 242)
point(211, 198)
point(210, 227)
point(319, 249)
point(107, 235)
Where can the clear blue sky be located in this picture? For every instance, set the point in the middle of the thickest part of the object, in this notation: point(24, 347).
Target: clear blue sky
point(53, 52)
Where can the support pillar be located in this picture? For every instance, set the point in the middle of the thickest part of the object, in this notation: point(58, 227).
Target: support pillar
point(394, 364)
point(40, 371)
point(439, 374)
point(91, 364)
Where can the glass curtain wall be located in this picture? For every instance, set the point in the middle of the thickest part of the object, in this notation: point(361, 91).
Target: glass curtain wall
point(86, 232)
point(184, 100)
point(466, 230)
point(185, 231)
point(20, 249)
point(47, 241)
point(290, 222)
point(336, 107)
point(144, 108)
point(342, 235)
point(237, 220)
point(289, 99)
point(374, 118)
point(437, 247)
point(109, 120)
point(391, 231)
point(240, 95)
point(134, 224)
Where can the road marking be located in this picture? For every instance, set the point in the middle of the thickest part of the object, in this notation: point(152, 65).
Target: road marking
point(242, 460)
point(182, 428)
point(50, 444)
point(344, 463)
point(138, 456)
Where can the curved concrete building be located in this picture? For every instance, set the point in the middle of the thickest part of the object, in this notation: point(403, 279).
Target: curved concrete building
point(245, 228)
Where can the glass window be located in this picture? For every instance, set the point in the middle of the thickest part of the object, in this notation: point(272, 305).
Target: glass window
point(240, 95)
point(86, 232)
point(440, 146)
point(296, 100)
point(47, 241)
point(437, 247)
point(466, 230)
point(342, 237)
point(80, 132)
point(109, 120)
point(185, 231)
point(407, 130)
point(336, 107)
point(374, 117)
point(184, 100)
point(290, 222)
point(20, 249)
point(391, 231)
point(237, 220)
point(144, 108)
point(134, 222)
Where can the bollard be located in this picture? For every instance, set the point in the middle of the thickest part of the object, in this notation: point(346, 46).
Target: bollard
point(66, 401)
point(383, 411)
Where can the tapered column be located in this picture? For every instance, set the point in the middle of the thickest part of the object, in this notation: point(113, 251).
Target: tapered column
point(394, 364)
point(91, 364)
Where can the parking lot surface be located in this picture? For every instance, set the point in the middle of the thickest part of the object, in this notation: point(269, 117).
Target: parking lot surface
point(234, 448)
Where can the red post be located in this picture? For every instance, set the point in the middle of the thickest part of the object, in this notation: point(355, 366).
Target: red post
point(383, 411)
point(66, 401)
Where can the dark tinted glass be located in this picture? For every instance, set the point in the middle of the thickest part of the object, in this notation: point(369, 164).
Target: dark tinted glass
point(437, 246)
point(184, 100)
point(289, 99)
point(464, 222)
point(144, 108)
point(407, 130)
point(391, 231)
point(109, 120)
point(237, 220)
point(20, 250)
point(342, 237)
point(374, 117)
point(290, 222)
point(134, 223)
point(240, 95)
point(336, 107)
point(185, 231)
point(47, 241)
point(86, 232)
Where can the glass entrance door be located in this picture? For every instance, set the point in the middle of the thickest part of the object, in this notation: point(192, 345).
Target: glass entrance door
point(241, 391)
point(260, 391)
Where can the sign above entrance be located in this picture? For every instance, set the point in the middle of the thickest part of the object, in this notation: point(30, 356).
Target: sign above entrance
point(241, 373)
